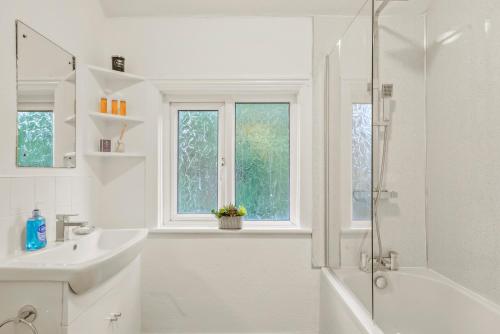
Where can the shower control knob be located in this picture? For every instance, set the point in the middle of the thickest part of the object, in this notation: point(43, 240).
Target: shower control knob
point(380, 282)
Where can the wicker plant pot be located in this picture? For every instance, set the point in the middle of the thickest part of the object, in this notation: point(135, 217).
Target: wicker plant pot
point(230, 223)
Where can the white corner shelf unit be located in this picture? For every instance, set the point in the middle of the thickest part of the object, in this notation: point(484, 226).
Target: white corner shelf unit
point(110, 119)
point(114, 81)
point(108, 83)
point(115, 155)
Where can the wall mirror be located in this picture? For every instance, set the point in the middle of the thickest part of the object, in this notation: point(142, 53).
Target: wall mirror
point(46, 100)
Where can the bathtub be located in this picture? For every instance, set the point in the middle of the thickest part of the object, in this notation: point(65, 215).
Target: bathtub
point(416, 301)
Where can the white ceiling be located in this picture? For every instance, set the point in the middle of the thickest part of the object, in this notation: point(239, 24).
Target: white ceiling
point(127, 8)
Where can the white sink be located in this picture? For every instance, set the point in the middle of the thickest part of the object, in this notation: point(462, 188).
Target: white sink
point(84, 262)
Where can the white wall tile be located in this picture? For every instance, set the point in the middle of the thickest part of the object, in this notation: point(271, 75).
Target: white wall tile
point(52, 194)
point(4, 237)
point(63, 192)
point(63, 209)
point(45, 193)
point(4, 197)
point(80, 195)
point(12, 234)
point(50, 221)
point(18, 197)
point(22, 192)
point(463, 211)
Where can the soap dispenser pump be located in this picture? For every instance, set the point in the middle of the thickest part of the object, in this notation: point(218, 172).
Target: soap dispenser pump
point(36, 237)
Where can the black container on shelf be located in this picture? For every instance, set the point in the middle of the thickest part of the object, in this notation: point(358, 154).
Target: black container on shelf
point(118, 63)
point(105, 145)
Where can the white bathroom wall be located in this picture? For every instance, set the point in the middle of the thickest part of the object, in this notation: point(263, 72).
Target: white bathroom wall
point(214, 48)
point(463, 134)
point(198, 283)
point(229, 284)
point(76, 26)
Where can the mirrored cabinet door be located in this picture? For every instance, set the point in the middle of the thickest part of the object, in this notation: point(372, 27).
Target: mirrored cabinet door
point(46, 100)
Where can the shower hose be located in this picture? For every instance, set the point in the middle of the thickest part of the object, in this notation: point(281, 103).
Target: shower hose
point(376, 200)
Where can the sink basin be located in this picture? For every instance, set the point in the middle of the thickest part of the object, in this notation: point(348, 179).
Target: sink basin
point(84, 262)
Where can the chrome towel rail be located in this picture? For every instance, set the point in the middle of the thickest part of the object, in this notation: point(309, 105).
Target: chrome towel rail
point(26, 315)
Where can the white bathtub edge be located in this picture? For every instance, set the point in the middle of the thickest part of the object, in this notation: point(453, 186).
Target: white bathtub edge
point(359, 313)
point(485, 302)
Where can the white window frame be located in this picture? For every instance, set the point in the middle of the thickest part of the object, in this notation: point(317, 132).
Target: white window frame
point(226, 189)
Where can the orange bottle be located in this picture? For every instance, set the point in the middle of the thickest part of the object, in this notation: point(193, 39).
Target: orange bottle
point(104, 105)
point(114, 107)
point(123, 108)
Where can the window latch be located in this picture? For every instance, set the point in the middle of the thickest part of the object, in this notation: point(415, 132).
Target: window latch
point(222, 162)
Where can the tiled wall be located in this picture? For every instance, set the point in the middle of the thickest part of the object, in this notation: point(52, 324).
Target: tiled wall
point(52, 194)
point(463, 160)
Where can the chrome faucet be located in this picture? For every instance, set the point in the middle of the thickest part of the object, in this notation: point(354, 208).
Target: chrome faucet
point(62, 224)
point(390, 262)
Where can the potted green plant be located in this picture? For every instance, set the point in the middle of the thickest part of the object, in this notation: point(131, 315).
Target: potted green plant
point(229, 216)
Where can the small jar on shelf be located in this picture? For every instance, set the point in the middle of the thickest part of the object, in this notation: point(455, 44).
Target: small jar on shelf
point(114, 106)
point(103, 106)
point(123, 107)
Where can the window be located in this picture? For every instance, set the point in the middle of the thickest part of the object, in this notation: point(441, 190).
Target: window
point(238, 152)
point(197, 160)
point(263, 160)
point(361, 162)
point(35, 138)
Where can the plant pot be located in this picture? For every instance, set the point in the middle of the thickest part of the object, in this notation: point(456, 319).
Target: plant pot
point(230, 223)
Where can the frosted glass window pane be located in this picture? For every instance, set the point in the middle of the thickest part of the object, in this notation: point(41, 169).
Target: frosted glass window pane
point(361, 161)
point(263, 160)
point(35, 138)
point(197, 167)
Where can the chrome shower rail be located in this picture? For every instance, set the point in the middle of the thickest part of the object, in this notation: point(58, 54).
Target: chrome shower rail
point(26, 315)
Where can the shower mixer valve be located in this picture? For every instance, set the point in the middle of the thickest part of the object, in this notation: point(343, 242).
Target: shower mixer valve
point(390, 262)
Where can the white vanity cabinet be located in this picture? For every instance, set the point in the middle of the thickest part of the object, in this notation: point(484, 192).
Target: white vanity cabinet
point(113, 307)
point(61, 311)
point(89, 284)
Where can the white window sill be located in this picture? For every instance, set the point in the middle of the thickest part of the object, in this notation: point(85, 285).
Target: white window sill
point(355, 230)
point(243, 231)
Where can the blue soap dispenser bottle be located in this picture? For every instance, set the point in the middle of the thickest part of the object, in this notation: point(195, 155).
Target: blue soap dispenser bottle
point(36, 237)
